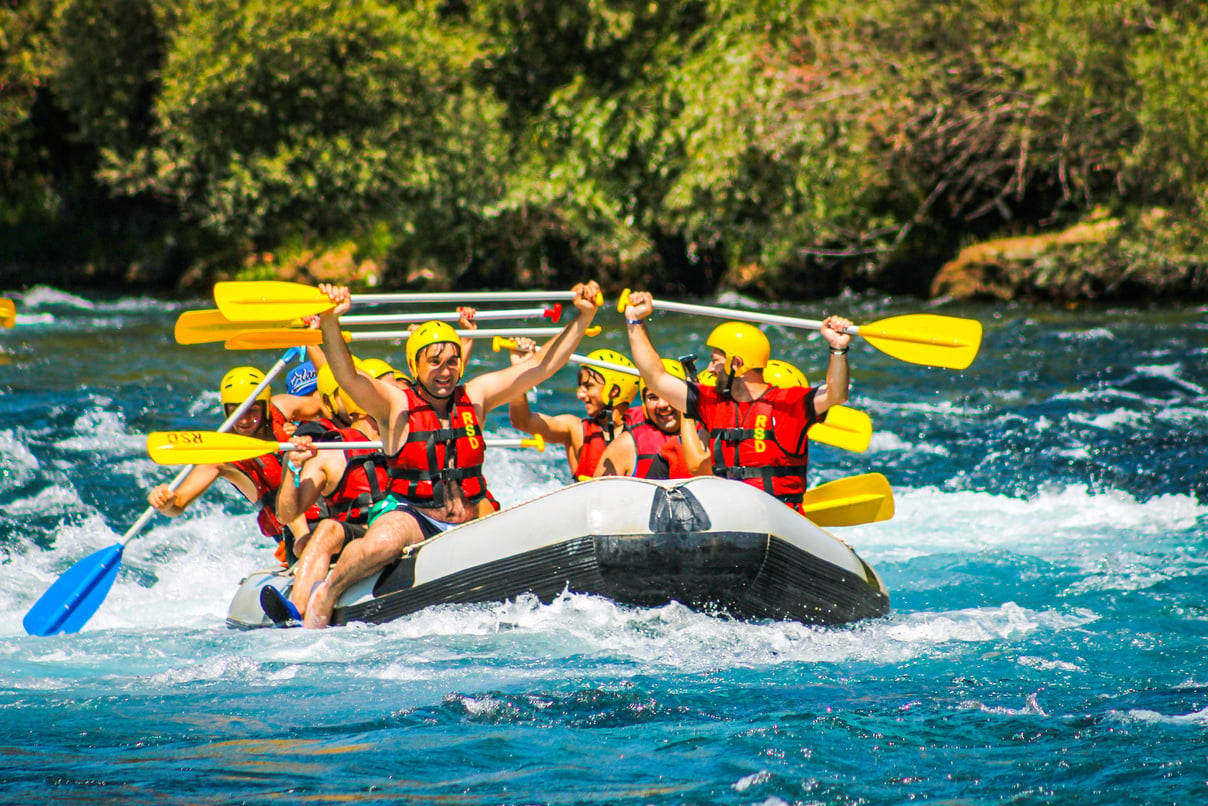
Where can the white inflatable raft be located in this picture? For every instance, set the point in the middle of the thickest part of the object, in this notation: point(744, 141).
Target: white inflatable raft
point(715, 545)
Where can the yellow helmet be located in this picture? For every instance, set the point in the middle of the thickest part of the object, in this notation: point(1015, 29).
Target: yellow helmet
point(427, 334)
point(376, 368)
point(783, 374)
point(673, 367)
point(332, 395)
point(706, 377)
point(238, 385)
point(741, 340)
point(619, 387)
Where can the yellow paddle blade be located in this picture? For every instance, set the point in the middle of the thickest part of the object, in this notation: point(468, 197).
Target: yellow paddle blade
point(204, 327)
point(204, 447)
point(268, 300)
point(850, 502)
point(8, 312)
point(844, 428)
point(926, 338)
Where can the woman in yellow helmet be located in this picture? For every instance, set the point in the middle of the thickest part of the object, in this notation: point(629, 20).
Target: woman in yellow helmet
point(257, 479)
point(432, 435)
point(606, 395)
point(757, 431)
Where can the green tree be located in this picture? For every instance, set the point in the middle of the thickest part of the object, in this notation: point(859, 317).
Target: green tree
point(311, 120)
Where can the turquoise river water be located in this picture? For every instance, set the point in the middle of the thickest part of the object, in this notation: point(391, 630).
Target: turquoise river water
point(1046, 567)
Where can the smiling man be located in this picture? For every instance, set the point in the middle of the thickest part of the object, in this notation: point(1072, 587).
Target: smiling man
point(757, 432)
point(653, 430)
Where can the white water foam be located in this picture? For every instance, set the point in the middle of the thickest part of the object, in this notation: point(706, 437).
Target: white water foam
point(18, 465)
point(41, 295)
point(1197, 719)
point(1056, 524)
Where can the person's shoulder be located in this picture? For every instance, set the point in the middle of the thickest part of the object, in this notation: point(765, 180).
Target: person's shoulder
point(790, 394)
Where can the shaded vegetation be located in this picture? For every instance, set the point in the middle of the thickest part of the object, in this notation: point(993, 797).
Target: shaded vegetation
point(786, 149)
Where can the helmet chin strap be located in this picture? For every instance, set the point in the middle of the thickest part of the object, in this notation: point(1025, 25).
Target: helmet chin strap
point(728, 392)
point(608, 419)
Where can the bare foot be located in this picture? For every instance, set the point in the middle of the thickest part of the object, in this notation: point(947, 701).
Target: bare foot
point(318, 609)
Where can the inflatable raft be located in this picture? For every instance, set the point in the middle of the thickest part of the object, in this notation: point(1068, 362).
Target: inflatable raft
point(715, 545)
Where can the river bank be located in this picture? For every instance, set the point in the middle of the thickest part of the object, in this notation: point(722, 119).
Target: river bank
point(1151, 257)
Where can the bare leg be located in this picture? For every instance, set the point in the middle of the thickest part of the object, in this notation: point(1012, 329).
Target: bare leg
point(326, 540)
point(382, 544)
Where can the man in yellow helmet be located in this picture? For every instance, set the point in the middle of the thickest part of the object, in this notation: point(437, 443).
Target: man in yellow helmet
point(432, 435)
point(646, 448)
point(606, 394)
point(257, 479)
point(757, 431)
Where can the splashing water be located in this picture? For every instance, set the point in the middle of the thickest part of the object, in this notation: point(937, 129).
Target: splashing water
point(1045, 567)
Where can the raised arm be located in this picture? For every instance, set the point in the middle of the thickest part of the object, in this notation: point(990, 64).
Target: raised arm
point(558, 429)
point(499, 387)
point(466, 321)
point(374, 396)
point(838, 380)
point(670, 388)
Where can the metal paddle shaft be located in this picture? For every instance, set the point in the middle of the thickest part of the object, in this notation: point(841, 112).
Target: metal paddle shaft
point(67, 605)
point(212, 447)
point(281, 336)
point(275, 299)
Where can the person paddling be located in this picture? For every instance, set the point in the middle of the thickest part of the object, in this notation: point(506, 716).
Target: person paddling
point(757, 431)
point(605, 393)
point(257, 479)
point(347, 483)
point(432, 435)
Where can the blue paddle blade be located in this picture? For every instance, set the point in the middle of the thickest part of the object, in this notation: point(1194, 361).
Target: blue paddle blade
point(70, 602)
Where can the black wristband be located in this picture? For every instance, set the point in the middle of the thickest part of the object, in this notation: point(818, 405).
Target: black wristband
point(838, 351)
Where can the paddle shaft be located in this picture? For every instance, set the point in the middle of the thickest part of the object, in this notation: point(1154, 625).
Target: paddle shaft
point(386, 335)
point(551, 312)
point(745, 316)
point(264, 338)
point(377, 445)
point(455, 297)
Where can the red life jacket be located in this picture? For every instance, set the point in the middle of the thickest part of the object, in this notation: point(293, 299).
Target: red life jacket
point(364, 481)
point(650, 462)
point(278, 420)
point(634, 415)
point(434, 456)
point(265, 473)
point(595, 440)
point(762, 443)
point(594, 443)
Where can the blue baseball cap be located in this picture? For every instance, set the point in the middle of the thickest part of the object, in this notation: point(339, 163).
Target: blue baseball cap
point(302, 380)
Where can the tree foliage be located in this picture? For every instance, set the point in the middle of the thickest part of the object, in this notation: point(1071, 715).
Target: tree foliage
point(807, 144)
